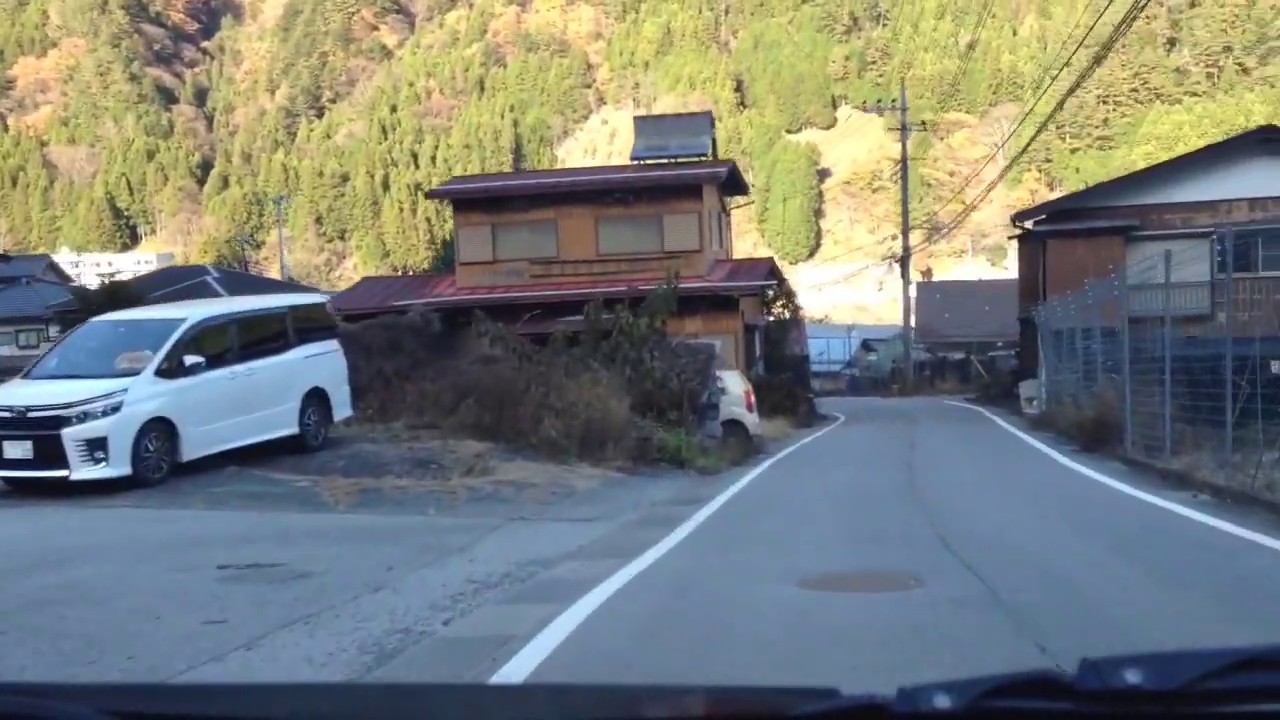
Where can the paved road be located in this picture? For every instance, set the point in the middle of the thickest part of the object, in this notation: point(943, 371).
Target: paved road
point(1002, 558)
point(1006, 560)
point(185, 583)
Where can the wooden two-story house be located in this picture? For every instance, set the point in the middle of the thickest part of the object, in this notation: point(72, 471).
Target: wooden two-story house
point(532, 248)
point(1157, 239)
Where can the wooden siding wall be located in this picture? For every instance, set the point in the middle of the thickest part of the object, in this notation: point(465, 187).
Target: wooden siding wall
point(578, 256)
point(716, 222)
point(752, 309)
point(1071, 262)
point(714, 324)
point(1030, 269)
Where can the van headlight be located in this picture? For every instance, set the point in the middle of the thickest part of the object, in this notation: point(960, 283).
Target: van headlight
point(97, 413)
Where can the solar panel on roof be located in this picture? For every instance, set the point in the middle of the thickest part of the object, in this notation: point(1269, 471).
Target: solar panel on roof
point(676, 136)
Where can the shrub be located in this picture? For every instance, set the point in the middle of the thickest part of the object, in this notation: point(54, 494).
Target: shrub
point(620, 391)
point(1094, 423)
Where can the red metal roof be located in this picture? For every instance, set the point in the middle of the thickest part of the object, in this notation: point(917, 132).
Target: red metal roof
point(724, 173)
point(401, 292)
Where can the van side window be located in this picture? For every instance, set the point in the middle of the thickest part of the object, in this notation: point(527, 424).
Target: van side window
point(262, 335)
point(213, 342)
point(313, 323)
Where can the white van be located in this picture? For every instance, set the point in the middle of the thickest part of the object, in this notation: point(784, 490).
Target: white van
point(133, 393)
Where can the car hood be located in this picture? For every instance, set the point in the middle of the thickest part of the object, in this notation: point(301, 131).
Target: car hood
point(29, 393)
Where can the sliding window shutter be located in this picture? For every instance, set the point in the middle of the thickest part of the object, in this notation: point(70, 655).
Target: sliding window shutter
point(681, 232)
point(474, 243)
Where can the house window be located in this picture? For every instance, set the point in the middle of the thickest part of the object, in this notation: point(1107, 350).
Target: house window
point(629, 234)
point(6, 338)
point(28, 339)
point(1256, 250)
point(649, 234)
point(530, 240)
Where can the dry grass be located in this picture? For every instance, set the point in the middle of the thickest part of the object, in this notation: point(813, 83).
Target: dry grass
point(622, 399)
point(400, 461)
point(776, 428)
point(1095, 424)
point(405, 370)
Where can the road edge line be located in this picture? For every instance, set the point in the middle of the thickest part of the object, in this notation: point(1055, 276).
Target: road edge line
point(544, 643)
point(1243, 533)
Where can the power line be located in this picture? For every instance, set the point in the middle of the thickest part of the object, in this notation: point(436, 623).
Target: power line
point(1026, 114)
point(925, 224)
point(1123, 26)
point(963, 69)
point(873, 265)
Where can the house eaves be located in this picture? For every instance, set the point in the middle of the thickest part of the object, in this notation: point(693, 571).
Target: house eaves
point(610, 178)
point(1264, 139)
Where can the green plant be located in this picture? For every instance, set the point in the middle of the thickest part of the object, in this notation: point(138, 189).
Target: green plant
point(674, 446)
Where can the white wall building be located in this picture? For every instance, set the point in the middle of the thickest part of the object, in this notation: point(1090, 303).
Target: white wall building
point(94, 268)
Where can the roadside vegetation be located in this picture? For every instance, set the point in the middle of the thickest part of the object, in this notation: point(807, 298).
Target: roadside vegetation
point(621, 392)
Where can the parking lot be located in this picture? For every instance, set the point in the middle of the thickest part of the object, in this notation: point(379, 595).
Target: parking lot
point(380, 470)
point(265, 565)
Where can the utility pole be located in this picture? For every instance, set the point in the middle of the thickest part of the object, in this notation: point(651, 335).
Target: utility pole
point(280, 200)
point(905, 128)
point(243, 243)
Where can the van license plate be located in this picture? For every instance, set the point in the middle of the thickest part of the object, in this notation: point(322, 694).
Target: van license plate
point(17, 450)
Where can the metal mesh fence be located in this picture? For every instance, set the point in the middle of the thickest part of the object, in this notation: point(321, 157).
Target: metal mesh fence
point(1176, 358)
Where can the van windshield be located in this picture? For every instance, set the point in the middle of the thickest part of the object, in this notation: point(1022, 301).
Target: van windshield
point(105, 349)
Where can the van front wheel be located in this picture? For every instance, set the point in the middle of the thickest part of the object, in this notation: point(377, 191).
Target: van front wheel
point(155, 453)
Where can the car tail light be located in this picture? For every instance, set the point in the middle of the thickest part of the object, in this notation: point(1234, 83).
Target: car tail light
point(749, 397)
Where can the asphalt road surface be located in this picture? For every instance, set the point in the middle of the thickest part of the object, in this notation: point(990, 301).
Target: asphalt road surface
point(920, 541)
point(912, 541)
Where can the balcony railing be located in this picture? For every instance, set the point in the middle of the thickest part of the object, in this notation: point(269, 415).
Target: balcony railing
point(1185, 299)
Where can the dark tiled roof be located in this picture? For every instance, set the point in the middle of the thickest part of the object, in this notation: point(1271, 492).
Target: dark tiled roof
point(20, 266)
point(389, 293)
point(31, 298)
point(724, 173)
point(966, 311)
point(198, 282)
point(194, 282)
point(1259, 139)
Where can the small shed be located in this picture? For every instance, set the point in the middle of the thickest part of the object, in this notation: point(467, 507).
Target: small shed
point(830, 346)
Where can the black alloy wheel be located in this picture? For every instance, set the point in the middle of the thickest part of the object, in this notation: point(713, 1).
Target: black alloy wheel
point(314, 422)
point(155, 453)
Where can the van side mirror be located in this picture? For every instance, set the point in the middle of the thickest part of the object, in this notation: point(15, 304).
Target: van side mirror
point(194, 364)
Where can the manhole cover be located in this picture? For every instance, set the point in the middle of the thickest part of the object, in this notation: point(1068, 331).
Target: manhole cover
point(862, 582)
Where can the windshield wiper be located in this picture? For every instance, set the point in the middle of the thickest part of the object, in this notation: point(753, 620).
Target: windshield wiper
point(36, 708)
point(1240, 679)
point(1247, 678)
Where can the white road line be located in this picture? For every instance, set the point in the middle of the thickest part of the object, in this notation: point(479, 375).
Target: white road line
point(1186, 512)
point(522, 665)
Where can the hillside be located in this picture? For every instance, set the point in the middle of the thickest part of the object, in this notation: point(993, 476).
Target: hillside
point(173, 123)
